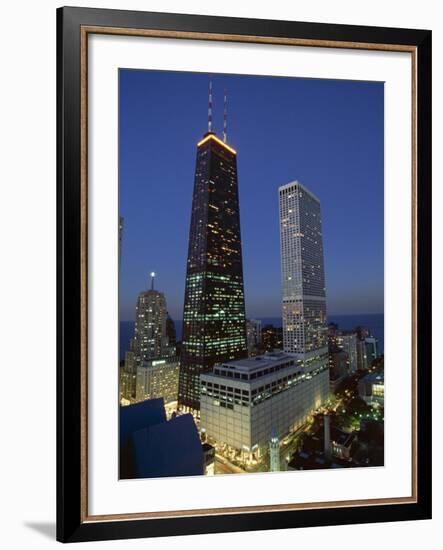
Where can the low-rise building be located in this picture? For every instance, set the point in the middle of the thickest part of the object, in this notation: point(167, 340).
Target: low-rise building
point(152, 446)
point(371, 388)
point(246, 402)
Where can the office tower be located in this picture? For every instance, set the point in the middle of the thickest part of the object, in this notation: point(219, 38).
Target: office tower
point(303, 280)
point(150, 339)
point(214, 325)
point(305, 330)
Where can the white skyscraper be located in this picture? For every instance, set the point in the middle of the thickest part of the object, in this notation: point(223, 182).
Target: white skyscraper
point(302, 266)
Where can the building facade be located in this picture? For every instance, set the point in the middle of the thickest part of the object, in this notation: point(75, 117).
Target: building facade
point(158, 378)
point(248, 402)
point(305, 329)
point(347, 341)
point(371, 388)
point(214, 323)
point(371, 350)
point(253, 334)
point(302, 270)
point(150, 325)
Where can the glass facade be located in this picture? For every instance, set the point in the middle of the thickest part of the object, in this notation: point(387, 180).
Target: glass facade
point(214, 324)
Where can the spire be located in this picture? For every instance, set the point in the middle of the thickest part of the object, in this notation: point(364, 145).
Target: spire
point(210, 107)
point(152, 280)
point(225, 117)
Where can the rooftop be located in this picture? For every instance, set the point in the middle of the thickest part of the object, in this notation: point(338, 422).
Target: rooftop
point(213, 137)
point(269, 359)
point(374, 377)
point(298, 184)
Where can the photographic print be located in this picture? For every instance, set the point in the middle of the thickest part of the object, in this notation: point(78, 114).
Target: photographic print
point(244, 236)
point(251, 274)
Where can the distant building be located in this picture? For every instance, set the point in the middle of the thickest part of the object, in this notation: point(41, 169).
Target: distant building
point(171, 332)
point(362, 363)
point(342, 341)
point(347, 341)
point(371, 388)
point(151, 446)
point(371, 350)
point(253, 334)
point(338, 365)
point(366, 348)
point(158, 378)
point(271, 338)
point(150, 340)
point(245, 403)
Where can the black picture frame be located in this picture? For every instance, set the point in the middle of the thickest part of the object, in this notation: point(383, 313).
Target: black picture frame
point(71, 526)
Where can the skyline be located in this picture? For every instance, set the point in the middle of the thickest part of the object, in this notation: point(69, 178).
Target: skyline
point(271, 153)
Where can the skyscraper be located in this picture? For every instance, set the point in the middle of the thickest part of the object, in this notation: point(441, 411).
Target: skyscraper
point(303, 280)
point(305, 330)
point(214, 324)
point(150, 340)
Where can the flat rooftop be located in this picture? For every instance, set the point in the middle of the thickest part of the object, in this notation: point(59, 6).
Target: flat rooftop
point(268, 359)
point(374, 377)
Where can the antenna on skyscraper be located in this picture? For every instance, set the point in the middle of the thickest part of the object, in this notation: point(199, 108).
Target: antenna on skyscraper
point(210, 107)
point(225, 117)
point(152, 280)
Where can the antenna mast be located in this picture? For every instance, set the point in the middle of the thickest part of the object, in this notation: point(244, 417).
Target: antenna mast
point(210, 107)
point(225, 117)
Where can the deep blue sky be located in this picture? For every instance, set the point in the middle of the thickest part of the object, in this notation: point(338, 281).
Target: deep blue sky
point(327, 134)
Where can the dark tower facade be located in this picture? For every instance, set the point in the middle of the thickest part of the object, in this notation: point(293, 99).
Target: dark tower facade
point(214, 324)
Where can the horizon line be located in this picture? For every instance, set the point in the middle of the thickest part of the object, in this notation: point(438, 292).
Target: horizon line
point(259, 317)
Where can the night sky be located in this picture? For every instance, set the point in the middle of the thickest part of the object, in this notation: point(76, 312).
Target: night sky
point(326, 134)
